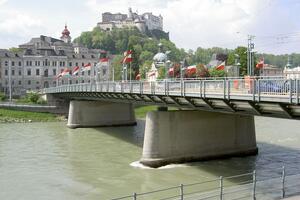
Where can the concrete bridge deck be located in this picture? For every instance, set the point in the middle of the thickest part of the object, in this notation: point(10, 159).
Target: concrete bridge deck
point(264, 97)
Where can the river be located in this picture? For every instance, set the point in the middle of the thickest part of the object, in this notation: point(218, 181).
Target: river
point(50, 161)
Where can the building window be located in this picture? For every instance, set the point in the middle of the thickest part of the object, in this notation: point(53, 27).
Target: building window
point(37, 72)
point(13, 82)
point(53, 63)
point(82, 64)
point(6, 72)
point(28, 72)
point(82, 73)
point(70, 64)
point(13, 72)
point(54, 72)
point(12, 63)
point(20, 63)
point(76, 81)
point(6, 63)
point(36, 63)
point(20, 82)
point(89, 73)
point(29, 82)
point(76, 64)
point(20, 73)
point(82, 81)
point(37, 82)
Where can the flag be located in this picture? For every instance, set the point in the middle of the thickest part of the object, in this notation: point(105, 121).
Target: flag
point(58, 76)
point(138, 77)
point(171, 71)
point(152, 73)
point(191, 69)
point(87, 67)
point(66, 72)
point(103, 60)
point(75, 70)
point(221, 66)
point(260, 64)
point(127, 57)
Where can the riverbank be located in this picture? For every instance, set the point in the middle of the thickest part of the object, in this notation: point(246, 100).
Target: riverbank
point(9, 115)
point(16, 116)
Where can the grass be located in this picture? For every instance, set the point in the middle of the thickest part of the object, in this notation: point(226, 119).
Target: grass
point(141, 111)
point(7, 115)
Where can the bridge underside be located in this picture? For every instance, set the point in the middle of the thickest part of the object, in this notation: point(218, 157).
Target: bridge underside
point(241, 107)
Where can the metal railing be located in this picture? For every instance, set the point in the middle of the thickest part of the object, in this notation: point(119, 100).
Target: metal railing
point(278, 89)
point(251, 185)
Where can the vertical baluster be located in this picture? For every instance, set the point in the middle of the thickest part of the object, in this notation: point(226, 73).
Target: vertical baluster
point(254, 185)
point(181, 192)
point(221, 187)
point(283, 182)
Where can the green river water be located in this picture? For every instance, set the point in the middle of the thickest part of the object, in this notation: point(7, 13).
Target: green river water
point(50, 161)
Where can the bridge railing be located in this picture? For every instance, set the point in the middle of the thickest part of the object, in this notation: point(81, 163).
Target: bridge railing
point(273, 184)
point(285, 90)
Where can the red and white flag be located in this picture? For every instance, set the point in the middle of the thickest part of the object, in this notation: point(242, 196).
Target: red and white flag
point(58, 76)
point(152, 73)
point(260, 64)
point(87, 67)
point(75, 70)
point(221, 66)
point(66, 72)
point(138, 77)
point(171, 71)
point(191, 69)
point(127, 57)
point(103, 61)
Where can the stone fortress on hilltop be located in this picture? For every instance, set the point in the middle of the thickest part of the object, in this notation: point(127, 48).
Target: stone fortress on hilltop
point(144, 22)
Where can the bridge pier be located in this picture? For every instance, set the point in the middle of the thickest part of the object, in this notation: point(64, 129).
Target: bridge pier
point(184, 136)
point(100, 113)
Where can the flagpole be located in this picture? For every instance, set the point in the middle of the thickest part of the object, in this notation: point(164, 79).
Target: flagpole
point(130, 71)
point(113, 71)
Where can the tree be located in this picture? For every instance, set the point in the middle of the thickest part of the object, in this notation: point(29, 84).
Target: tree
point(217, 73)
point(116, 64)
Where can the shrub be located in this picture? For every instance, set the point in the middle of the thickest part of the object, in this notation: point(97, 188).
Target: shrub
point(32, 97)
point(2, 96)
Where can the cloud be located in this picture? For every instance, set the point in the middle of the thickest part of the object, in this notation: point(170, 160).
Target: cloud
point(17, 26)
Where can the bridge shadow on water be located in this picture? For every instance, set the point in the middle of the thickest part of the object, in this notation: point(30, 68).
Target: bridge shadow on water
point(267, 163)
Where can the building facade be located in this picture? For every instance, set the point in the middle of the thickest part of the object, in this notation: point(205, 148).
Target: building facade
point(146, 21)
point(38, 63)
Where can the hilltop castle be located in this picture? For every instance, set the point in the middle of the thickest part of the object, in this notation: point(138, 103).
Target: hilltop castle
point(146, 21)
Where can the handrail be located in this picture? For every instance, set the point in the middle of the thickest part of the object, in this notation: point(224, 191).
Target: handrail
point(221, 190)
point(264, 89)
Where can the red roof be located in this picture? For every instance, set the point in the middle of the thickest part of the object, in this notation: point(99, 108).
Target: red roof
point(65, 31)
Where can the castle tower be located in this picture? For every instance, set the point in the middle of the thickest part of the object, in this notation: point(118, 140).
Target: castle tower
point(66, 35)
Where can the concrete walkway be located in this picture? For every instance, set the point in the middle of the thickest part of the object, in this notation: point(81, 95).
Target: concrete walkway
point(293, 198)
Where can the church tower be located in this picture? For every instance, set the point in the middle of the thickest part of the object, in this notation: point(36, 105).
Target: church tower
point(66, 35)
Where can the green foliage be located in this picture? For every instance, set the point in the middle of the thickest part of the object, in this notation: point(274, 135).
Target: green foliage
point(32, 97)
point(2, 96)
point(217, 73)
point(24, 116)
point(161, 73)
point(15, 50)
point(116, 64)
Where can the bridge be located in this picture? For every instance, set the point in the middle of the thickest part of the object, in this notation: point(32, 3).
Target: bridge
point(215, 116)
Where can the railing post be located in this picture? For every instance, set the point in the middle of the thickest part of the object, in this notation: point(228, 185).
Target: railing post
point(297, 91)
point(204, 86)
point(200, 88)
point(181, 87)
point(228, 89)
point(221, 187)
point(283, 182)
point(291, 91)
point(258, 89)
point(134, 196)
point(254, 185)
point(253, 88)
point(181, 192)
point(165, 83)
point(224, 89)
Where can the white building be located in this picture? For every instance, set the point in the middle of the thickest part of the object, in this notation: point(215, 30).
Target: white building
point(146, 21)
point(41, 60)
point(292, 73)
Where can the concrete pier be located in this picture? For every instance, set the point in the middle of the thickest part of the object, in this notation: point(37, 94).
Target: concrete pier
point(184, 136)
point(99, 113)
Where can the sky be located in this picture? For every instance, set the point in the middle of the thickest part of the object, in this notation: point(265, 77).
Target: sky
point(191, 23)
